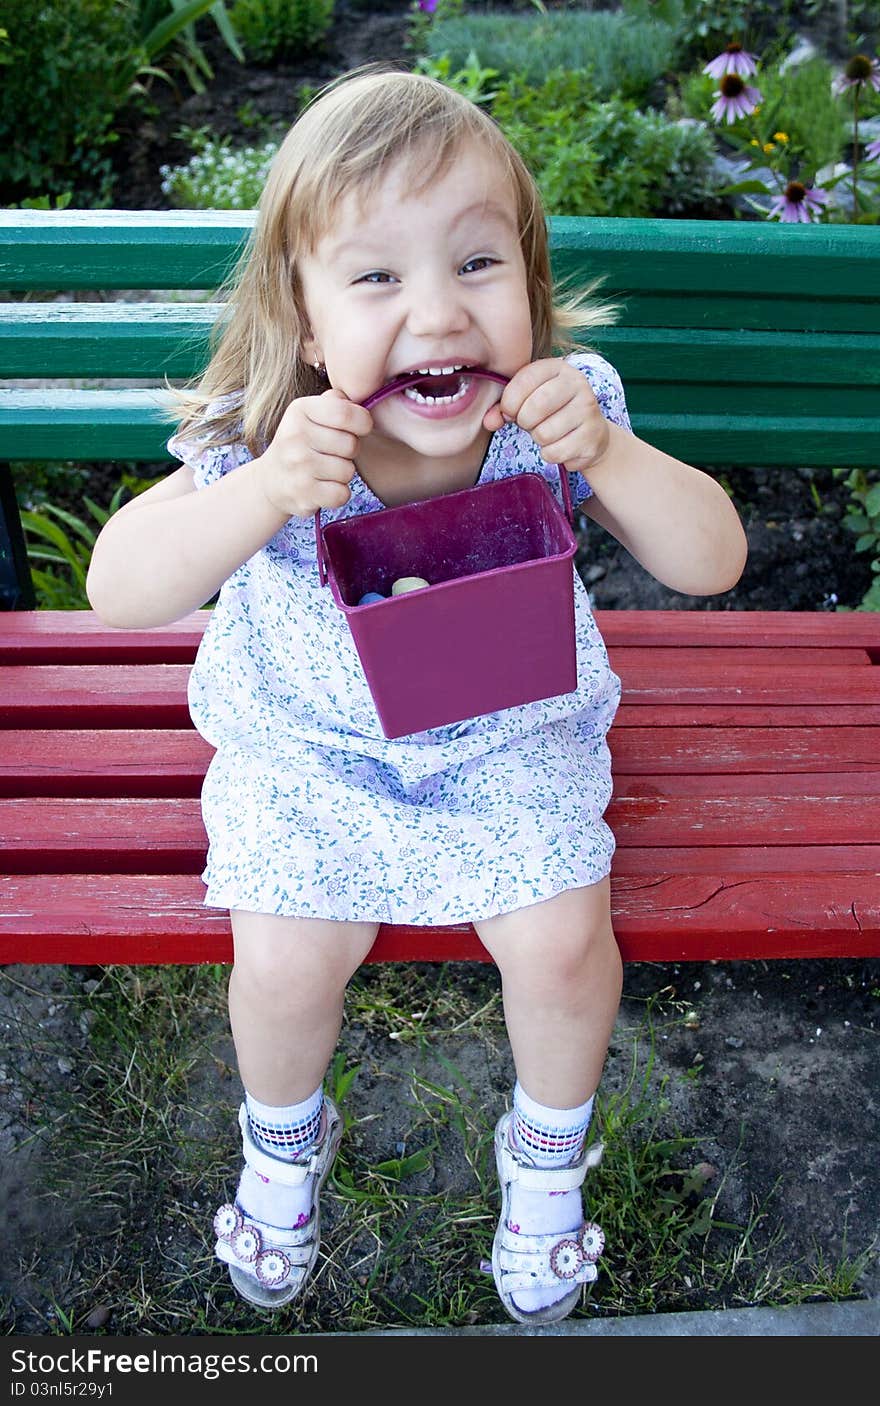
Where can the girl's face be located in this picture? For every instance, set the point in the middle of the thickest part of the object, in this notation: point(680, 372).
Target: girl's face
point(433, 281)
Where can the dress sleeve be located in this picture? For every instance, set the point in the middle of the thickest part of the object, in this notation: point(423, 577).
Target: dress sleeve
point(209, 462)
point(608, 390)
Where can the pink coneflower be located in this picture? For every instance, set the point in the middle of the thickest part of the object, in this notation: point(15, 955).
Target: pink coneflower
point(798, 204)
point(734, 99)
point(734, 59)
point(859, 70)
point(872, 150)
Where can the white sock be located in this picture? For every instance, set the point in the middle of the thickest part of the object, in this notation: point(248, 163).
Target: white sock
point(549, 1137)
point(290, 1134)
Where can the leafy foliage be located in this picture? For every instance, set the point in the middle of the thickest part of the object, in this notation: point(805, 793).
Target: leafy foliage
point(608, 158)
point(275, 30)
point(623, 55)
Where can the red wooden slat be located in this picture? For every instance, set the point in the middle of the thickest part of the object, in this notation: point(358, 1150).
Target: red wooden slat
point(781, 860)
point(730, 715)
point(691, 750)
point(155, 694)
point(25, 634)
point(130, 762)
point(625, 657)
point(145, 834)
point(107, 919)
point(821, 785)
point(172, 762)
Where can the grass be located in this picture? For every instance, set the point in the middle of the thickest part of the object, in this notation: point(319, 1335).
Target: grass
point(137, 1145)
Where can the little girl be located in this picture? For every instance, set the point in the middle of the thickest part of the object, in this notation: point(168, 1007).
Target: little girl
point(399, 232)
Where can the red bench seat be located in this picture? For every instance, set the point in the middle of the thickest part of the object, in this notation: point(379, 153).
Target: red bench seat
point(746, 804)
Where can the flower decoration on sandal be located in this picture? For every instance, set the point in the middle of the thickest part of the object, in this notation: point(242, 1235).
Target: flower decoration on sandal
point(272, 1267)
point(566, 1259)
point(569, 1254)
point(227, 1221)
point(591, 1242)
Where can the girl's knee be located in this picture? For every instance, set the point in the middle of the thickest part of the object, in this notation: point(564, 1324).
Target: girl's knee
point(275, 954)
point(564, 939)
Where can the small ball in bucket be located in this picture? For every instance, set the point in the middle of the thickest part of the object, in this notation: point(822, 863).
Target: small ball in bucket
point(370, 598)
point(408, 583)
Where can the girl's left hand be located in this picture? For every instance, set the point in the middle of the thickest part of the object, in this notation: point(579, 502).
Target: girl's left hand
point(555, 403)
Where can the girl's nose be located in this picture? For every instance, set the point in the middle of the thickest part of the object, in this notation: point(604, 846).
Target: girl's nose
point(436, 309)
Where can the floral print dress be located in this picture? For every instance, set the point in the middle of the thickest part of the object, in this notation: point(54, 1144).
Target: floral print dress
point(312, 812)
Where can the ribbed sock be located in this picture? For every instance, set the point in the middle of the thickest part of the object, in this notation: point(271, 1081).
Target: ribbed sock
point(290, 1134)
point(549, 1137)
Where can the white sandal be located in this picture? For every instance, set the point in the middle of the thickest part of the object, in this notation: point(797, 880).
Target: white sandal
point(541, 1261)
point(269, 1265)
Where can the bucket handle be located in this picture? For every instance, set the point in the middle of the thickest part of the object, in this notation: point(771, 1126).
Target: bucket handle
point(409, 378)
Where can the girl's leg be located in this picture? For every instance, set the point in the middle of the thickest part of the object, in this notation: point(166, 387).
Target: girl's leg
point(561, 978)
point(286, 996)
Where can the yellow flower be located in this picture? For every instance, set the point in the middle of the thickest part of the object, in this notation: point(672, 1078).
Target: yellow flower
point(769, 146)
point(754, 142)
point(780, 136)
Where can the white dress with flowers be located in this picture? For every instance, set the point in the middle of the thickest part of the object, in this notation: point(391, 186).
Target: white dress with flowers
point(312, 812)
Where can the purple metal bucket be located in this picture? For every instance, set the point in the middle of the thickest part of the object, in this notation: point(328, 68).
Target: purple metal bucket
point(494, 629)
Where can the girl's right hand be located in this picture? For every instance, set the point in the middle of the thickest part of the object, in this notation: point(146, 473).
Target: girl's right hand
point(310, 462)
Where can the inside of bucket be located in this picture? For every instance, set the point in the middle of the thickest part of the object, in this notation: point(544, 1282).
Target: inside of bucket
point(496, 525)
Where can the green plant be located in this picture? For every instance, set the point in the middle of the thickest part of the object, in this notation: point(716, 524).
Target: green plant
point(603, 158)
point(69, 67)
point(275, 30)
point(863, 518)
point(167, 30)
point(471, 80)
point(64, 543)
point(624, 56)
point(218, 176)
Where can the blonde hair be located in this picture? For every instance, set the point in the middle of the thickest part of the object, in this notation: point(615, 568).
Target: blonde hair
point(346, 140)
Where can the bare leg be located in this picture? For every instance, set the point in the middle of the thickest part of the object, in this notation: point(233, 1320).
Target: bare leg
point(286, 996)
point(561, 979)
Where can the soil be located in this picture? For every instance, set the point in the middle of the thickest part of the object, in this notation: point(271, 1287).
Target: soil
point(775, 1077)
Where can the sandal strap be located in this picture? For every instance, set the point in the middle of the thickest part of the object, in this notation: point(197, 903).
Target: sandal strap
point(511, 1280)
point(550, 1178)
point(275, 1168)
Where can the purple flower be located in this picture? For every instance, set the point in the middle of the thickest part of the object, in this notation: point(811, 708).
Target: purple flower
point(872, 150)
point(859, 70)
point(733, 59)
point(734, 99)
point(428, 6)
point(799, 204)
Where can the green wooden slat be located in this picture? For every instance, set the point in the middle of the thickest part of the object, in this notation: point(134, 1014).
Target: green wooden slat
point(736, 257)
point(746, 313)
point(128, 425)
point(68, 249)
point(105, 339)
point(751, 358)
point(171, 339)
point(84, 425)
point(783, 402)
point(182, 249)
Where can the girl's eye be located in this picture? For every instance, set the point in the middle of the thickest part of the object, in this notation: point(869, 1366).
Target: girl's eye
point(375, 276)
point(482, 261)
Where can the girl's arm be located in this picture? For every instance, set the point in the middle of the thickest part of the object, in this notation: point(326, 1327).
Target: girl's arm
point(170, 549)
point(676, 521)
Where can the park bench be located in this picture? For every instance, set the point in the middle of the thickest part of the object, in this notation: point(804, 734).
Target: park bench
point(747, 746)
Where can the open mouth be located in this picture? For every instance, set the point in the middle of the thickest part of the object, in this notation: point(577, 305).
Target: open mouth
point(430, 386)
point(438, 385)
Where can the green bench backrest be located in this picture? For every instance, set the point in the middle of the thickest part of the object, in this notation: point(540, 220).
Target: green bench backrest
point(739, 341)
